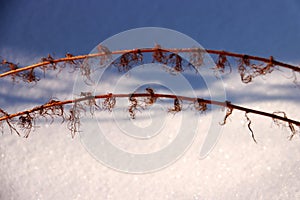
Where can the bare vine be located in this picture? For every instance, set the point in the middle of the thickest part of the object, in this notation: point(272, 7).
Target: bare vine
point(247, 68)
point(25, 120)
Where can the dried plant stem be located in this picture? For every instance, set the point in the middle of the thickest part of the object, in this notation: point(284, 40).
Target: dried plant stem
point(225, 104)
point(149, 50)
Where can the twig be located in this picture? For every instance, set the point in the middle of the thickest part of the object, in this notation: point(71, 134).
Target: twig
point(69, 59)
point(58, 104)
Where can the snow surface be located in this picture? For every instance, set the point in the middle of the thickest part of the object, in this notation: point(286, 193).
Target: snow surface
point(51, 165)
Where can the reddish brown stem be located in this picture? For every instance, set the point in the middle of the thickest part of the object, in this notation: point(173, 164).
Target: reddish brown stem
point(156, 95)
point(147, 50)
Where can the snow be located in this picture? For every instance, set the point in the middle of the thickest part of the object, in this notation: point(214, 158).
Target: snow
point(51, 165)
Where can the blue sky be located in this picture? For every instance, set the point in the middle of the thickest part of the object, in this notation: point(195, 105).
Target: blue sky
point(269, 27)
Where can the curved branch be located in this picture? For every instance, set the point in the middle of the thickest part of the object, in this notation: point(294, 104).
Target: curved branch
point(70, 58)
point(225, 104)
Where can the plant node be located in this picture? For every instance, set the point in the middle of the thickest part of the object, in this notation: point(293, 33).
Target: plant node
point(290, 125)
point(228, 113)
point(177, 106)
point(199, 105)
point(109, 103)
point(152, 99)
